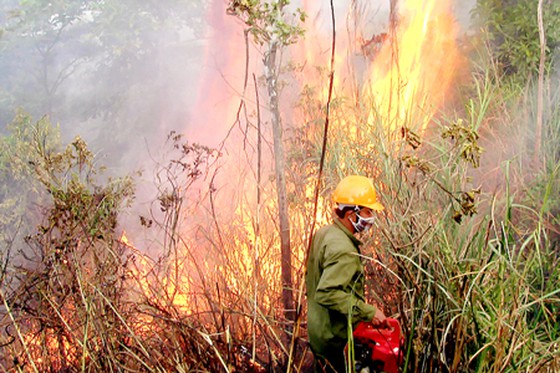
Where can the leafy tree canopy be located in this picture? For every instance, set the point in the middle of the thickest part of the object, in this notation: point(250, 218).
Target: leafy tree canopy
point(90, 62)
point(514, 34)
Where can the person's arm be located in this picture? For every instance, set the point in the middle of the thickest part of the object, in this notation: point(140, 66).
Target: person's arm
point(334, 290)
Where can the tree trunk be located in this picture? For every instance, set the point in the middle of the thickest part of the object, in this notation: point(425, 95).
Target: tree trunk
point(540, 94)
point(271, 76)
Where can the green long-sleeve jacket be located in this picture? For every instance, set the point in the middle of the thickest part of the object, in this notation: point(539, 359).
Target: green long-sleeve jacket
point(335, 284)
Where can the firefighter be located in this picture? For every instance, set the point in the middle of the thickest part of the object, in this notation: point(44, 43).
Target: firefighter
point(335, 274)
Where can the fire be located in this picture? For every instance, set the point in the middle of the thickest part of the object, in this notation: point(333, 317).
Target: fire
point(401, 78)
point(173, 288)
point(124, 240)
point(408, 70)
point(49, 346)
point(410, 77)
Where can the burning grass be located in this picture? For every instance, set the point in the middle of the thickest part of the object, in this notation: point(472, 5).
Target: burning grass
point(469, 267)
point(479, 296)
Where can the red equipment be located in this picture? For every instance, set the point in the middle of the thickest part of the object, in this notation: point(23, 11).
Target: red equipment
point(377, 349)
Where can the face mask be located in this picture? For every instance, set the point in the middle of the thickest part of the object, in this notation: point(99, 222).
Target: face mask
point(362, 224)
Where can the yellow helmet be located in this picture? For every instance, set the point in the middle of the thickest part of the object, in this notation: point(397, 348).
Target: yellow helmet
point(357, 190)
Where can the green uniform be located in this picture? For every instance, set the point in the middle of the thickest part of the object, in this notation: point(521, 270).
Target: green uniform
point(335, 285)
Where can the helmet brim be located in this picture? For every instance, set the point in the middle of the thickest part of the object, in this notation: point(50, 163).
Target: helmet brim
point(376, 206)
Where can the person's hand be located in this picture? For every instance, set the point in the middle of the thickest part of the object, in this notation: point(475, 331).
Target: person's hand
point(379, 320)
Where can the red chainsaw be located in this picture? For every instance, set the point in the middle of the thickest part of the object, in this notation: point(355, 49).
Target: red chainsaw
point(378, 349)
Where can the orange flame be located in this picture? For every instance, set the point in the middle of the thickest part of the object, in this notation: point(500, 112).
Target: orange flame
point(173, 288)
point(408, 70)
point(409, 80)
point(124, 240)
point(402, 83)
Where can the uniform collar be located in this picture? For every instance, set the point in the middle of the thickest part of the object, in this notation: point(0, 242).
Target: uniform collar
point(355, 241)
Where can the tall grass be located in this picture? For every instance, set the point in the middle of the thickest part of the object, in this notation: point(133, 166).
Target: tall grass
point(466, 255)
point(476, 270)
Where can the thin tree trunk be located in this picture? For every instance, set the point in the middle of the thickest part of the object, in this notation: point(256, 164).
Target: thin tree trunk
point(257, 276)
point(271, 75)
point(395, 77)
point(539, 124)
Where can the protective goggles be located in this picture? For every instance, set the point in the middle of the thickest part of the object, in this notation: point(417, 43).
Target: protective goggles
point(369, 220)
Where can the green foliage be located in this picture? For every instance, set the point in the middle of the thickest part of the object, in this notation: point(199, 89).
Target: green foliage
point(19, 186)
point(266, 20)
point(512, 30)
point(94, 63)
point(466, 139)
point(33, 161)
point(69, 285)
